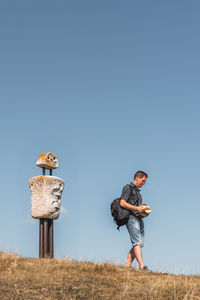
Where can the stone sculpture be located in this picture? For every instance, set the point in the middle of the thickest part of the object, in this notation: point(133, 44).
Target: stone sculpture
point(46, 192)
point(47, 160)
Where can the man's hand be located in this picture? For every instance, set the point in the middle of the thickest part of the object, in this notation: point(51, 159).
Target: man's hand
point(141, 209)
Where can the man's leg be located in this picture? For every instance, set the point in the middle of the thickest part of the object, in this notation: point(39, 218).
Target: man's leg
point(138, 254)
point(130, 258)
point(136, 231)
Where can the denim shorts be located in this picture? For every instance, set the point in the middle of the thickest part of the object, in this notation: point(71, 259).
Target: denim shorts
point(136, 231)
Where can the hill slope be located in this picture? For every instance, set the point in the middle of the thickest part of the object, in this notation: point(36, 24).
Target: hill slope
point(31, 278)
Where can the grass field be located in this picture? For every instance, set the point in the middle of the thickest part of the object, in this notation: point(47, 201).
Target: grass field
point(31, 278)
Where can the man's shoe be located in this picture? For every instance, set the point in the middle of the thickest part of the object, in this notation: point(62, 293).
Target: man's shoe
point(145, 268)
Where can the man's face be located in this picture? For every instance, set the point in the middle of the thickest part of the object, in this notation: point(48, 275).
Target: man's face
point(140, 181)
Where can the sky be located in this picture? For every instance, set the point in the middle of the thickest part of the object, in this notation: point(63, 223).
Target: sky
point(110, 87)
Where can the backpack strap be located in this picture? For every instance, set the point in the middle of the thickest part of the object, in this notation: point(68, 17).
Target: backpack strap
point(133, 188)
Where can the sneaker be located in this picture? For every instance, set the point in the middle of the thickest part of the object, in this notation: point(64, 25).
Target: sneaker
point(145, 268)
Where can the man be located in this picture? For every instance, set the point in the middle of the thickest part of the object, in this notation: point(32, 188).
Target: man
point(131, 199)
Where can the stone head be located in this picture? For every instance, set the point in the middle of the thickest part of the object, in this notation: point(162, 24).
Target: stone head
point(47, 160)
point(46, 192)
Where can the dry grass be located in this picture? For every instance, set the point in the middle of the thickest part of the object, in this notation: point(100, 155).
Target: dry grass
point(29, 278)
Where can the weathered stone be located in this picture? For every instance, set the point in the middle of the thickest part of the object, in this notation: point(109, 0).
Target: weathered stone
point(47, 160)
point(46, 192)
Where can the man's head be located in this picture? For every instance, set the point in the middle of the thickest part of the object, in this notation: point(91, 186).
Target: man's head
point(140, 178)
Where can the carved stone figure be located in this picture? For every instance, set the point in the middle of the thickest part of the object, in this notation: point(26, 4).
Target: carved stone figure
point(47, 160)
point(46, 192)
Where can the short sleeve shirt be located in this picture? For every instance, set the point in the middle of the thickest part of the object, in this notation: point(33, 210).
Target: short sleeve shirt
point(131, 194)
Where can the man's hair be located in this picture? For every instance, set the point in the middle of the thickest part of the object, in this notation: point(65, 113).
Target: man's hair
point(140, 174)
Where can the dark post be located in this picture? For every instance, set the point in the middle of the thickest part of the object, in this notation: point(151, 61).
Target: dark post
point(46, 248)
point(51, 250)
point(46, 234)
point(41, 238)
point(41, 241)
point(50, 231)
point(43, 171)
point(46, 238)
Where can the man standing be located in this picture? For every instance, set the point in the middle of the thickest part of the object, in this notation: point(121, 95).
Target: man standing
point(131, 199)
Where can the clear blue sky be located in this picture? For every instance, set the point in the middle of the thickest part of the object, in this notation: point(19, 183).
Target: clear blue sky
point(110, 87)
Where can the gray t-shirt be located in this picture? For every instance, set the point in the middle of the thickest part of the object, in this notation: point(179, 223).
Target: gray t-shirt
point(132, 195)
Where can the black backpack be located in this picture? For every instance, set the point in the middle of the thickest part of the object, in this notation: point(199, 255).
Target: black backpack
point(120, 214)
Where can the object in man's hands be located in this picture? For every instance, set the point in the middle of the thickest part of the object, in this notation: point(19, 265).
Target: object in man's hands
point(147, 210)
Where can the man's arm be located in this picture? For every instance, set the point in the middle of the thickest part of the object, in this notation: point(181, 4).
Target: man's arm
point(125, 204)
